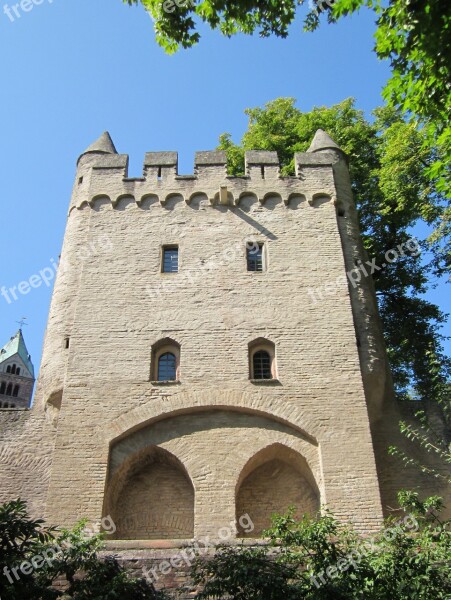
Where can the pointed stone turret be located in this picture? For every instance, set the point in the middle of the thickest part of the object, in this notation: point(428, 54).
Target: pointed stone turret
point(104, 145)
point(323, 141)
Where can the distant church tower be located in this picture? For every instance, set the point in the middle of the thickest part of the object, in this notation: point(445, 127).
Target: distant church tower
point(16, 374)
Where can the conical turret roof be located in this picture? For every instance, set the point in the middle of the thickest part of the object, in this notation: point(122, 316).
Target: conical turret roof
point(323, 141)
point(103, 145)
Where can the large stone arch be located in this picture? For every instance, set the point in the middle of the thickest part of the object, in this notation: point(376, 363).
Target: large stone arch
point(274, 479)
point(196, 430)
point(157, 409)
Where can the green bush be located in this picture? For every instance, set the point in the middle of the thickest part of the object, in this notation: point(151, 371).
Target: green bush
point(321, 559)
point(33, 557)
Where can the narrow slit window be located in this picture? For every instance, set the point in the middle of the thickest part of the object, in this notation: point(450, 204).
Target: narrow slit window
point(159, 173)
point(255, 258)
point(262, 365)
point(167, 367)
point(170, 260)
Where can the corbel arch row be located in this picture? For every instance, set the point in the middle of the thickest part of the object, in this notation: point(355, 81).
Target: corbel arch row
point(291, 200)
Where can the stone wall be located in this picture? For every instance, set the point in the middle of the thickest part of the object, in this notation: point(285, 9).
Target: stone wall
point(26, 448)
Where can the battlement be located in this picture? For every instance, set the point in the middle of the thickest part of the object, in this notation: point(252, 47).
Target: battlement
point(103, 174)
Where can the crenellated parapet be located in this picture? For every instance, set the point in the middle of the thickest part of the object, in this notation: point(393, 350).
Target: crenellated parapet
point(102, 175)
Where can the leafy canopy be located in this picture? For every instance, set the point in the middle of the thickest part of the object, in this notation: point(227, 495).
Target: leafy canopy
point(414, 35)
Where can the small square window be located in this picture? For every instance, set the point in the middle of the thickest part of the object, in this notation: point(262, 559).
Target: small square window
point(255, 258)
point(170, 262)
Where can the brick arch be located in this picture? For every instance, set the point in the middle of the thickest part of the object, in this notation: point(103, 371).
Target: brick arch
point(151, 496)
point(190, 402)
point(274, 479)
point(171, 199)
point(189, 435)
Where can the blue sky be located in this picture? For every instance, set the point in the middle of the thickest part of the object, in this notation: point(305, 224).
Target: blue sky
point(71, 70)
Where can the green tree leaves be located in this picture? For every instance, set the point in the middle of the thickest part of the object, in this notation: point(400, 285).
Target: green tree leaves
point(414, 35)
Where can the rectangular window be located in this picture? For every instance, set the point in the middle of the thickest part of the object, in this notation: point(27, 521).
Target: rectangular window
point(255, 258)
point(170, 263)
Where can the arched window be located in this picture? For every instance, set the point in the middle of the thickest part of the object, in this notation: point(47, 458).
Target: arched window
point(165, 362)
point(16, 391)
point(9, 389)
point(261, 364)
point(262, 360)
point(2, 387)
point(167, 367)
point(8, 369)
point(13, 370)
point(18, 371)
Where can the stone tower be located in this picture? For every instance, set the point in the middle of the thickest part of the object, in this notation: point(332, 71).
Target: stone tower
point(16, 374)
point(206, 354)
point(189, 374)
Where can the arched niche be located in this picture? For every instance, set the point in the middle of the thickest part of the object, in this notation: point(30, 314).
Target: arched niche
point(247, 200)
point(319, 199)
point(147, 200)
point(274, 479)
point(295, 200)
point(271, 200)
point(151, 497)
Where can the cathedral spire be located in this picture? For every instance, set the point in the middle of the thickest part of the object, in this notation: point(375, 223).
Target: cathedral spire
point(16, 374)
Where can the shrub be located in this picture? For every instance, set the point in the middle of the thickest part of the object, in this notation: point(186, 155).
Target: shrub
point(322, 559)
point(33, 557)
